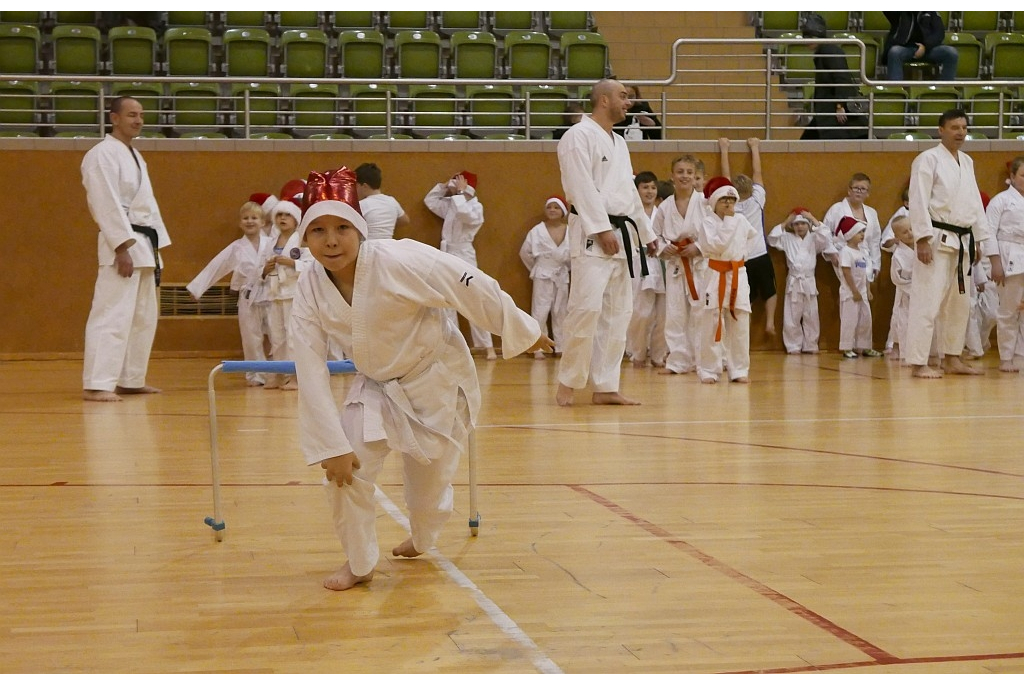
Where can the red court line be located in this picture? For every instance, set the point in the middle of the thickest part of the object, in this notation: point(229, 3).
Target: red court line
point(878, 654)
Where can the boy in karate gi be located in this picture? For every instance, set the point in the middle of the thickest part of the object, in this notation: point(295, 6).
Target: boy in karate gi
point(545, 252)
point(854, 295)
point(416, 390)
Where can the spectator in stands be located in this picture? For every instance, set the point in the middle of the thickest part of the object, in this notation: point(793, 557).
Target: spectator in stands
point(573, 114)
point(834, 88)
point(640, 122)
point(917, 36)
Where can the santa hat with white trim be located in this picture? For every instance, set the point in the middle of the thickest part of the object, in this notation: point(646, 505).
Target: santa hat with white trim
point(557, 199)
point(266, 201)
point(849, 227)
point(717, 188)
point(331, 193)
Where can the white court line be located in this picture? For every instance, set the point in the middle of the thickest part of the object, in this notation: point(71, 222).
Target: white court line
point(540, 660)
point(727, 422)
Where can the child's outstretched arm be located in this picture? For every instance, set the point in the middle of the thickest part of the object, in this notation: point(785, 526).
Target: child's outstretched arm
point(755, 160)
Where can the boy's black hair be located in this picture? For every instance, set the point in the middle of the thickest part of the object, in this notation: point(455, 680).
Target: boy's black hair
point(645, 177)
point(369, 174)
point(951, 114)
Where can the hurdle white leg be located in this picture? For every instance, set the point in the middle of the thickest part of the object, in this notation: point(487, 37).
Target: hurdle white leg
point(474, 513)
point(215, 521)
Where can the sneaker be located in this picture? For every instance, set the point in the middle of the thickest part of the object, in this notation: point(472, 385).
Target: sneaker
point(871, 353)
point(850, 354)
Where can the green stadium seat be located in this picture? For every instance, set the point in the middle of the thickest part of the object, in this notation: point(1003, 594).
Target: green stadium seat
point(452, 22)
point(1005, 53)
point(447, 136)
point(242, 20)
point(545, 108)
point(304, 53)
point(78, 134)
point(300, 20)
point(773, 23)
point(504, 136)
point(83, 18)
point(978, 22)
point(203, 135)
point(393, 136)
point(24, 18)
point(20, 108)
point(271, 135)
point(247, 52)
point(19, 49)
point(853, 53)
point(355, 20)
point(417, 54)
point(986, 105)
point(975, 135)
point(149, 95)
point(929, 102)
point(76, 49)
point(18, 134)
point(361, 54)
point(188, 51)
point(76, 104)
point(836, 21)
point(969, 49)
point(132, 50)
point(433, 106)
point(330, 136)
point(584, 55)
point(909, 135)
point(875, 22)
point(491, 109)
point(194, 107)
point(558, 23)
point(402, 21)
point(200, 19)
point(370, 104)
point(796, 60)
point(264, 102)
point(527, 55)
point(314, 106)
point(474, 54)
point(503, 23)
point(888, 108)
point(1017, 21)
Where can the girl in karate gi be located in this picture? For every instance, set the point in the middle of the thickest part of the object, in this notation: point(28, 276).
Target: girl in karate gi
point(241, 260)
point(545, 252)
point(1005, 215)
point(283, 260)
point(415, 391)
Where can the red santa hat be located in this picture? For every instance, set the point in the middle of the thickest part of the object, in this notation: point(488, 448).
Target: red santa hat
point(289, 207)
point(985, 199)
point(558, 200)
point(293, 190)
point(717, 188)
point(798, 215)
point(266, 201)
point(331, 193)
point(470, 181)
point(849, 227)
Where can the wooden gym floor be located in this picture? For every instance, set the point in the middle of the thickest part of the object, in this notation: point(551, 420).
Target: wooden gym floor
point(832, 516)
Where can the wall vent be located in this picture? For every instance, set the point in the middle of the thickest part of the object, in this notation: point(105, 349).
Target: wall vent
point(176, 301)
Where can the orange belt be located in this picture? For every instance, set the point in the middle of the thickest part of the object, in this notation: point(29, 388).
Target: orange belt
point(723, 267)
point(686, 267)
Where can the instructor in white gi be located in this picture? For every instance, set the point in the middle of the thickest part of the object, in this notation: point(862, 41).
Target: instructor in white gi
point(598, 181)
point(122, 323)
point(949, 225)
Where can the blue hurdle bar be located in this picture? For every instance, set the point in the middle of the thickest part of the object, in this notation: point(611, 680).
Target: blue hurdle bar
point(216, 522)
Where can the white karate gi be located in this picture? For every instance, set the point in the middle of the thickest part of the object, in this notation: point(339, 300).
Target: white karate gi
point(381, 212)
point(122, 322)
point(872, 244)
point(854, 317)
point(415, 391)
point(278, 289)
point(889, 235)
point(1005, 216)
point(645, 335)
point(463, 218)
point(597, 178)
point(984, 309)
point(942, 189)
point(549, 270)
point(901, 271)
point(801, 326)
point(682, 328)
point(241, 260)
point(728, 240)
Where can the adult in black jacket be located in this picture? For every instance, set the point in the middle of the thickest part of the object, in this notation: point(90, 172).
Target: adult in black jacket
point(834, 87)
point(640, 119)
point(917, 36)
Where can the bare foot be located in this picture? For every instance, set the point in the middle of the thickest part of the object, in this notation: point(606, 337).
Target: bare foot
point(658, 365)
point(1008, 367)
point(955, 365)
point(708, 381)
point(538, 355)
point(639, 363)
point(273, 382)
point(491, 356)
point(144, 390)
point(564, 396)
point(99, 396)
point(811, 351)
point(612, 398)
point(921, 371)
point(344, 579)
point(406, 549)
point(741, 379)
point(769, 330)
point(290, 384)
point(665, 371)
point(254, 383)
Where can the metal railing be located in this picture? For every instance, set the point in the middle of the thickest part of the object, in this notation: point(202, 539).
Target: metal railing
point(733, 87)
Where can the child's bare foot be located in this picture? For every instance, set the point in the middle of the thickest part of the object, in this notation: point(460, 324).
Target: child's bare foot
point(538, 355)
point(769, 330)
point(741, 379)
point(955, 365)
point(491, 356)
point(290, 384)
point(144, 390)
point(99, 396)
point(254, 383)
point(639, 363)
point(1008, 367)
point(406, 549)
point(709, 381)
point(344, 579)
point(921, 371)
point(273, 382)
point(612, 398)
point(564, 395)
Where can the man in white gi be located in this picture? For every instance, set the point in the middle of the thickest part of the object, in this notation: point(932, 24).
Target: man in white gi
point(122, 323)
point(948, 223)
point(597, 177)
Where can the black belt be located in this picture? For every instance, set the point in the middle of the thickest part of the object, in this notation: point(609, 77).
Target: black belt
point(960, 231)
point(155, 242)
point(622, 223)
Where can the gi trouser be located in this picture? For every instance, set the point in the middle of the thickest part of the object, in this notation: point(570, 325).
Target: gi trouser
point(936, 303)
point(120, 330)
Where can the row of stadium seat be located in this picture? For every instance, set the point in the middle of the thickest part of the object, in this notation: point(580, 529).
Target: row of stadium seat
point(441, 109)
point(771, 24)
point(446, 22)
point(999, 56)
point(302, 53)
